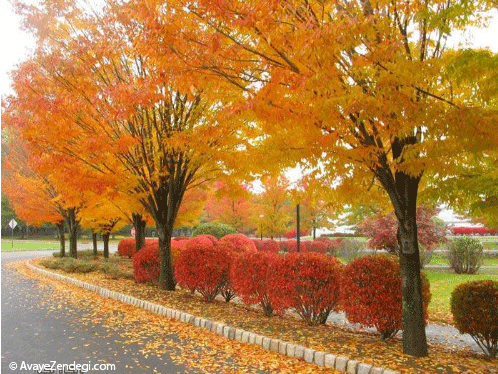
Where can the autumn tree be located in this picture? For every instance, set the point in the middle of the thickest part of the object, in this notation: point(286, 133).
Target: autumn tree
point(32, 194)
point(365, 84)
point(131, 116)
point(317, 207)
point(382, 230)
point(273, 211)
point(103, 216)
point(230, 204)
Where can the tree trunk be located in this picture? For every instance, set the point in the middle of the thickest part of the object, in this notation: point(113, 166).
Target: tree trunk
point(403, 190)
point(94, 240)
point(314, 233)
point(298, 229)
point(166, 277)
point(73, 232)
point(62, 238)
point(105, 238)
point(139, 224)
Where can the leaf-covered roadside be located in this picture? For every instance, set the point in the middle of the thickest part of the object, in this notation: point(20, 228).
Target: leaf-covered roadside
point(358, 345)
point(200, 350)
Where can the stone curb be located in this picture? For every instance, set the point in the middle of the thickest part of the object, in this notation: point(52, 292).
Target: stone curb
point(339, 363)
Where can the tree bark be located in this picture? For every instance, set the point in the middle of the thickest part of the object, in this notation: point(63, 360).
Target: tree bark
point(139, 224)
point(73, 232)
point(62, 238)
point(403, 190)
point(94, 240)
point(298, 229)
point(166, 277)
point(105, 238)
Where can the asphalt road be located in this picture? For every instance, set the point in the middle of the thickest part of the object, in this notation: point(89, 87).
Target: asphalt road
point(34, 332)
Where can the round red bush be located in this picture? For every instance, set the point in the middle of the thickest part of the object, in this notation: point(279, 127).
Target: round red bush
point(331, 245)
point(126, 247)
point(267, 246)
point(474, 306)
point(238, 243)
point(203, 267)
point(371, 293)
point(251, 278)
point(308, 282)
point(316, 246)
point(146, 263)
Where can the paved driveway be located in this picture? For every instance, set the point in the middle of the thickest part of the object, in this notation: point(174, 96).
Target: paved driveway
point(34, 331)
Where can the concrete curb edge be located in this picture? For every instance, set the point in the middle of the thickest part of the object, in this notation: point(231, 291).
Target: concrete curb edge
point(339, 363)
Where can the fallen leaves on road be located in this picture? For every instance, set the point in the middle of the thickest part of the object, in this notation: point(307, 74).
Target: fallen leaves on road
point(211, 350)
point(196, 348)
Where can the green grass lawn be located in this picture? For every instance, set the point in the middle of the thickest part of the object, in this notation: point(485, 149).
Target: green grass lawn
point(40, 245)
point(439, 259)
point(442, 285)
point(29, 245)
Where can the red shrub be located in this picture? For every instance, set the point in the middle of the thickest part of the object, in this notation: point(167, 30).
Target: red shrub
point(309, 283)
point(200, 240)
point(292, 233)
point(267, 245)
point(126, 247)
point(251, 278)
point(146, 266)
point(371, 293)
point(316, 246)
point(472, 231)
point(474, 306)
point(212, 238)
point(180, 238)
point(146, 263)
point(283, 245)
point(176, 247)
point(238, 243)
point(331, 245)
point(203, 267)
point(306, 246)
point(231, 246)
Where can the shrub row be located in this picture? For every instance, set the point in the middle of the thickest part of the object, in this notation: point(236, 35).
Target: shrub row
point(321, 245)
point(472, 231)
point(312, 284)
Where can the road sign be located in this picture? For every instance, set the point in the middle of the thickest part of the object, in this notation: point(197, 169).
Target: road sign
point(12, 223)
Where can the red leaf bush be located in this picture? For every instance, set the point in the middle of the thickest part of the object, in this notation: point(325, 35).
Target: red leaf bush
point(238, 243)
point(231, 246)
point(146, 263)
point(331, 245)
point(474, 306)
point(126, 247)
point(308, 282)
point(371, 293)
point(251, 278)
point(202, 266)
point(307, 246)
point(267, 245)
point(472, 231)
point(292, 233)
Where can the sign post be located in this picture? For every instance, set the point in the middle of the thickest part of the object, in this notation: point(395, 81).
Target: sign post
point(12, 225)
